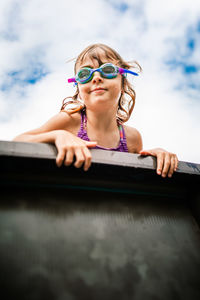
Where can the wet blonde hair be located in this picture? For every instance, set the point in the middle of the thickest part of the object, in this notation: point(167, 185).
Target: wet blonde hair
point(127, 100)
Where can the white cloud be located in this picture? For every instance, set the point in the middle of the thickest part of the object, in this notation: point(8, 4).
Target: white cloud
point(51, 32)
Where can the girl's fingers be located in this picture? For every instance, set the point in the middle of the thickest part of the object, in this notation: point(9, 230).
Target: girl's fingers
point(60, 157)
point(80, 158)
point(172, 166)
point(176, 163)
point(146, 152)
point(88, 158)
point(168, 162)
point(83, 156)
point(69, 157)
point(166, 166)
point(90, 144)
point(160, 163)
point(69, 146)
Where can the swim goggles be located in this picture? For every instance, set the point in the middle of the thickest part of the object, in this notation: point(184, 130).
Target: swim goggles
point(107, 70)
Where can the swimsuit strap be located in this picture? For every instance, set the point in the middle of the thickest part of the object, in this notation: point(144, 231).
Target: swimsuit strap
point(123, 143)
point(82, 133)
point(82, 120)
point(121, 132)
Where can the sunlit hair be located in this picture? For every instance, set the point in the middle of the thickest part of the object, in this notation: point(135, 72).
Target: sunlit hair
point(127, 100)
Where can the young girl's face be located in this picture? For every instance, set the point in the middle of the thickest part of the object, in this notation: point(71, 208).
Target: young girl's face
point(99, 93)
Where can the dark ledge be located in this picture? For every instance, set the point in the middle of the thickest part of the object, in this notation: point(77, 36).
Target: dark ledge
point(34, 164)
point(47, 151)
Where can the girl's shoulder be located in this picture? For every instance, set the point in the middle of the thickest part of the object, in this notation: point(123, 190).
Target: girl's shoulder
point(66, 118)
point(67, 121)
point(133, 138)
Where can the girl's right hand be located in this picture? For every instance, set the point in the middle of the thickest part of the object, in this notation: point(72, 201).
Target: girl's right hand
point(68, 146)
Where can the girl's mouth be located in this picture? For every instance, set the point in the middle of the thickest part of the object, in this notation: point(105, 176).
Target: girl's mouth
point(98, 90)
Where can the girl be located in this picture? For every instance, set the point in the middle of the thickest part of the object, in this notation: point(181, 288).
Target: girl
point(93, 117)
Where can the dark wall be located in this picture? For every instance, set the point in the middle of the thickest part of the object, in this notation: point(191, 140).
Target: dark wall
point(118, 231)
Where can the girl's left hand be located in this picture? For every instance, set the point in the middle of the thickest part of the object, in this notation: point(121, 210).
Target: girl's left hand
point(167, 162)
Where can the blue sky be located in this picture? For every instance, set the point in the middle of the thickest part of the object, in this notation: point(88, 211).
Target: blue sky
point(38, 37)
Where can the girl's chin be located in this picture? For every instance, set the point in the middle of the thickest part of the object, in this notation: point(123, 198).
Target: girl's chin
point(100, 104)
point(98, 97)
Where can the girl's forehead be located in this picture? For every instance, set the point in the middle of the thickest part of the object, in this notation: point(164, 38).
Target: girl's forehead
point(95, 59)
point(91, 62)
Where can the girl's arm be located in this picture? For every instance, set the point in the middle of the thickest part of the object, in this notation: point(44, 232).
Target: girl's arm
point(44, 134)
point(61, 131)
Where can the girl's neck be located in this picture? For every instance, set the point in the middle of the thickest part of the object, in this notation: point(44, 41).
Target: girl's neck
point(101, 122)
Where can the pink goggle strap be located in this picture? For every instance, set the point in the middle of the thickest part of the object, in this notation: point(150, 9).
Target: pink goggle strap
point(72, 80)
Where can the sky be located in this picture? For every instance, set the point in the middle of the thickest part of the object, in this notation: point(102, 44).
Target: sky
point(39, 37)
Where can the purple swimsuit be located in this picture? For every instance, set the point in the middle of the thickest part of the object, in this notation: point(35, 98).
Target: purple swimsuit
point(82, 133)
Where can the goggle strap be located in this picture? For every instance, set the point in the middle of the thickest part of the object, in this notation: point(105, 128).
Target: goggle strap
point(131, 72)
point(122, 71)
point(73, 79)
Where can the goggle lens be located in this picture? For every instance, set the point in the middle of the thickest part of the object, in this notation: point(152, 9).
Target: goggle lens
point(84, 74)
point(107, 71)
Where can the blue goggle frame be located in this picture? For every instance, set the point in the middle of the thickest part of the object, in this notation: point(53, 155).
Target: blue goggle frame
point(84, 78)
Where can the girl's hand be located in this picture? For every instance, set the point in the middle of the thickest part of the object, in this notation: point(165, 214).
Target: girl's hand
point(167, 162)
point(68, 146)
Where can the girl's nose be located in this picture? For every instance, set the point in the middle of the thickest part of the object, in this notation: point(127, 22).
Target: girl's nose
point(97, 77)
